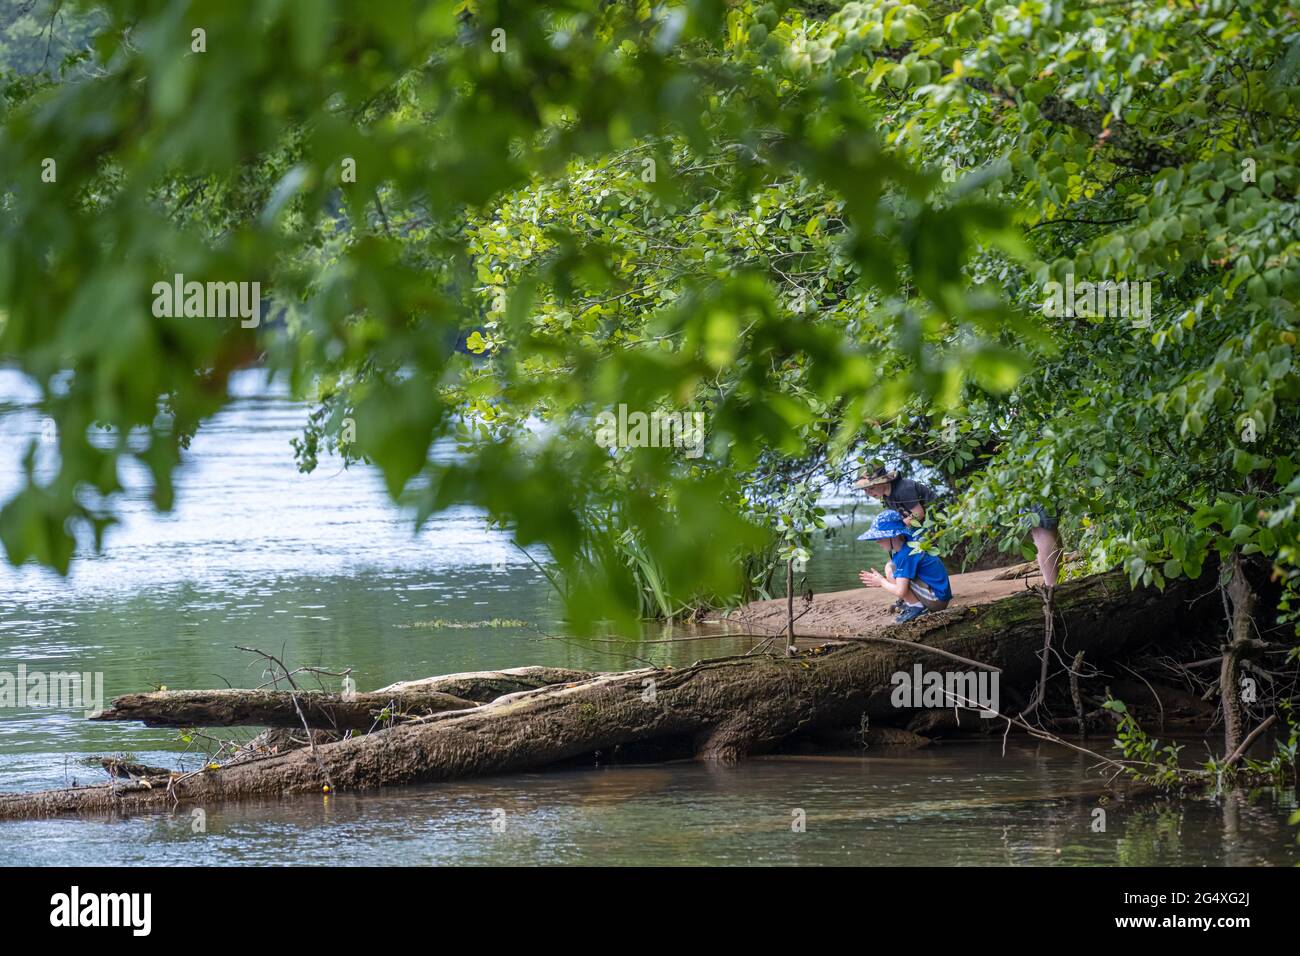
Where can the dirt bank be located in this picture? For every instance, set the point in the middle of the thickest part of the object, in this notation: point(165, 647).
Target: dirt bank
point(863, 610)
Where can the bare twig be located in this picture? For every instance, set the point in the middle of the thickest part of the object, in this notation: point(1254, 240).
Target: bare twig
point(1250, 739)
point(311, 738)
point(927, 647)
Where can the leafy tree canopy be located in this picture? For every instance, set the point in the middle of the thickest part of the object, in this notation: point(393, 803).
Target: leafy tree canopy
point(830, 229)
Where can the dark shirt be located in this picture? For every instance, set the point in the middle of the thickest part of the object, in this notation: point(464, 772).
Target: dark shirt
point(905, 494)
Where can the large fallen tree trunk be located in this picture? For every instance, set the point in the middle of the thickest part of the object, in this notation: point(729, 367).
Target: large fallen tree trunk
point(725, 708)
point(277, 708)
point(282, 708)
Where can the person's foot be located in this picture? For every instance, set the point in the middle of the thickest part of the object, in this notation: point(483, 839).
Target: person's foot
point(910, 613)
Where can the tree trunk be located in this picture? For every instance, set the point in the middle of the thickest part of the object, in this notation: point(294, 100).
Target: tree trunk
point(1243, 599)
point(275, 708)
point(725, 709)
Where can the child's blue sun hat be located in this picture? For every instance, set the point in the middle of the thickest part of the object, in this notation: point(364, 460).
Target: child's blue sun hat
point(887, 524)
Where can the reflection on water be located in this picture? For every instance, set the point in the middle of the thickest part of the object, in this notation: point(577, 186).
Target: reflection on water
point(323, 570)
point(961, 804)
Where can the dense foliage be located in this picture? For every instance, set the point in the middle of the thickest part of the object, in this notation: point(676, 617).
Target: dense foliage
point(829, 228)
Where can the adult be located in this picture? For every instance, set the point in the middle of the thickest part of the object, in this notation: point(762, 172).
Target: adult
point(910, 498)
point(1048, 543)
point(905, 495)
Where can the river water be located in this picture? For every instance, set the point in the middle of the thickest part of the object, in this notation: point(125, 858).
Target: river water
point(322, 570)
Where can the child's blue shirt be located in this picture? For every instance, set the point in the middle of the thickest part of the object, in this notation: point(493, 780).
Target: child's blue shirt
point(926, 568)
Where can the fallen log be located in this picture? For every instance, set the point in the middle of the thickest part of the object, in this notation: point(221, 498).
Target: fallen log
point(483, 686)
point(276, 708)
point(129, 769)
point(725, 709)
point(278, 739)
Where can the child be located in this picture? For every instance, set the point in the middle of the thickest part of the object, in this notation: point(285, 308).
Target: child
point(919, 580)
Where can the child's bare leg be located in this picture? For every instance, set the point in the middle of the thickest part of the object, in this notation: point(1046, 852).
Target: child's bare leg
point(1048, 544)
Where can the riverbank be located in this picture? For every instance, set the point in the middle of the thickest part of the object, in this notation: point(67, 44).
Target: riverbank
point(862, 610)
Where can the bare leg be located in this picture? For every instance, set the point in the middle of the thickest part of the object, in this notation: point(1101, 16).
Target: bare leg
point(1048, 544)
point(909, 596)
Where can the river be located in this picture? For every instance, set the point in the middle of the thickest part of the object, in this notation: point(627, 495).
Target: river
point(323, 570)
